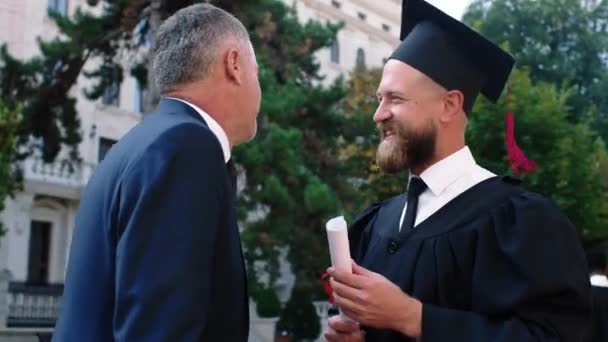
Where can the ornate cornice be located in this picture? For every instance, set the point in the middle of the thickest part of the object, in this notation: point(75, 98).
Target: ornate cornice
point(355, 23)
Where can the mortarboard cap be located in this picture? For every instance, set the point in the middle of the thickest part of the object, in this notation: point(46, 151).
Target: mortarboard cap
point(451, 53)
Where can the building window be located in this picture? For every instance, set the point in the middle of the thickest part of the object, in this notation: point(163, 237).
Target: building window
point(58, 6)
point(142, 34)
point(361, 15)
point(386, 28)
point(336, 3)
point(138, 100)
point(39, 253)
point(335, 52)
point(105, 145)
point(360, 62)
point(111, 95)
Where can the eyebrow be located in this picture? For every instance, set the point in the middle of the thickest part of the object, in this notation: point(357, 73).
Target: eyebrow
point(390, 94)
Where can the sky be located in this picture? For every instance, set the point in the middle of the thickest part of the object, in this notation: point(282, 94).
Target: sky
point(455, 8)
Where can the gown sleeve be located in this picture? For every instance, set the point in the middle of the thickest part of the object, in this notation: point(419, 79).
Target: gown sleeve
point(529, 283)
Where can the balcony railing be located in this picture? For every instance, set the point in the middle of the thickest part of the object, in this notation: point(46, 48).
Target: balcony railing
point(58, 172)
point(32, 305)
point(322, 308)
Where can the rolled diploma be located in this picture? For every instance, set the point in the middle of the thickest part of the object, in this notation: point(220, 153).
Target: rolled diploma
point(339, 250)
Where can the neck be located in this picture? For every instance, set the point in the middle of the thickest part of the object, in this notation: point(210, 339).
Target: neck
point(440, 154)
point(209, 102)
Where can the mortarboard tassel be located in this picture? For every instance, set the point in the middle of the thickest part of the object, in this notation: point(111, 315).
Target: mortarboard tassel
point(517, 159)
point(327, 287)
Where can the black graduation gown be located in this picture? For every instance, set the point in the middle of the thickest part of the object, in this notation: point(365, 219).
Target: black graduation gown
point(598, 331)
point(496, 263)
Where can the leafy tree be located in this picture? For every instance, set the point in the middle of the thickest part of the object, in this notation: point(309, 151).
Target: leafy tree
point(560, 42)
point(9, 179)
point(300, 317)
point(572, 158)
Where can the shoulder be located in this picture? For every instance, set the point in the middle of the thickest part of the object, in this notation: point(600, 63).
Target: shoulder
point(368, 214)
point(184, 145)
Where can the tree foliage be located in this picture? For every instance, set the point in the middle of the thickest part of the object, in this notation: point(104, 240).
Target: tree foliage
point(10, 180)
point(562, 42)
point(572, 157)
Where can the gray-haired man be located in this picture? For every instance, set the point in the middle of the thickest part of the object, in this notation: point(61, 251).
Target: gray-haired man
point(156, 254)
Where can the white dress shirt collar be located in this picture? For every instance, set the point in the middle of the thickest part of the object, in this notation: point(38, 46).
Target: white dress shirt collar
point(217, 130)
point(599, 280)
point(445, 172)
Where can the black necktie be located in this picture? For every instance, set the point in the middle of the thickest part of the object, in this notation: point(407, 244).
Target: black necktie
point(417, 186)
point(232, 175)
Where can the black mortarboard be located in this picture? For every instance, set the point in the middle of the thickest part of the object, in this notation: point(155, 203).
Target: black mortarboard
point(451, 53)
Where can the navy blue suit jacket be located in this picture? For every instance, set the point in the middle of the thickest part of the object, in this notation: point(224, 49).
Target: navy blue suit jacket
point(156, 253)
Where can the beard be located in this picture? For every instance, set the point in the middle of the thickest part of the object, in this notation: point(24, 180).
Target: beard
point(406, 148)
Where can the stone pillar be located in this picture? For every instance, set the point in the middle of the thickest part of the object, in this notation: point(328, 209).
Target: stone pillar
point(71, 217)
point(18, 215)
point(5, 278)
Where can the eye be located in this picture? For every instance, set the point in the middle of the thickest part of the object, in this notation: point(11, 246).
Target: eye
point(397, 99)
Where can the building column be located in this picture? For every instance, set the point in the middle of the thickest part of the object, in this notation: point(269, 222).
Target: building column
point(15, 244)
point(5, 278)
point(71, 218)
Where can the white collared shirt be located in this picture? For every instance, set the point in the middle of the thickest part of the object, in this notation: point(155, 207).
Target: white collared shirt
point(217, 130)
point(599, 280)
point(445, 180)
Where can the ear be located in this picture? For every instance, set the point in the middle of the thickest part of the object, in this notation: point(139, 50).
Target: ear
point(453, 103)
point(233, 65)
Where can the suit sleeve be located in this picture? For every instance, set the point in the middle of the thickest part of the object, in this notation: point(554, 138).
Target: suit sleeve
point(170, 210)
point(529, 281)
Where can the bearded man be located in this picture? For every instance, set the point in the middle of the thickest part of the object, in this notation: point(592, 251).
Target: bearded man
point(464, 255)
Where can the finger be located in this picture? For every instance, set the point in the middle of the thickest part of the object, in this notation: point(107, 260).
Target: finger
point(352, 280)
point(342, 325)
point(346, 291)
point(359, 336)
point(332, 336)
point(348, 305)
point(360, 270)
point(335, 336)
point(355, 316)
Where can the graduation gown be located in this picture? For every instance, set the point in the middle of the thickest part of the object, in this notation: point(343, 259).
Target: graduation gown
point(496, 263)
point(598, 332)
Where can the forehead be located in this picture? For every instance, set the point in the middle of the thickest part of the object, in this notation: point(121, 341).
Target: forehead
point(398, 76)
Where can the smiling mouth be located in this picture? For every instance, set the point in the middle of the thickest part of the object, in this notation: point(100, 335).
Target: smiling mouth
point(388, 134)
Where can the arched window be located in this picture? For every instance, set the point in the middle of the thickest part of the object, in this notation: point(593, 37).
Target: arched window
point(360, 57)
point(335, 52)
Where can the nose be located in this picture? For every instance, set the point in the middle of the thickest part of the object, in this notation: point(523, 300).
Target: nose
point(382, 114)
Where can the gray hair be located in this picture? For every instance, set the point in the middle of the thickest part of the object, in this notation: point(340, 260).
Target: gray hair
point(186, 44)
